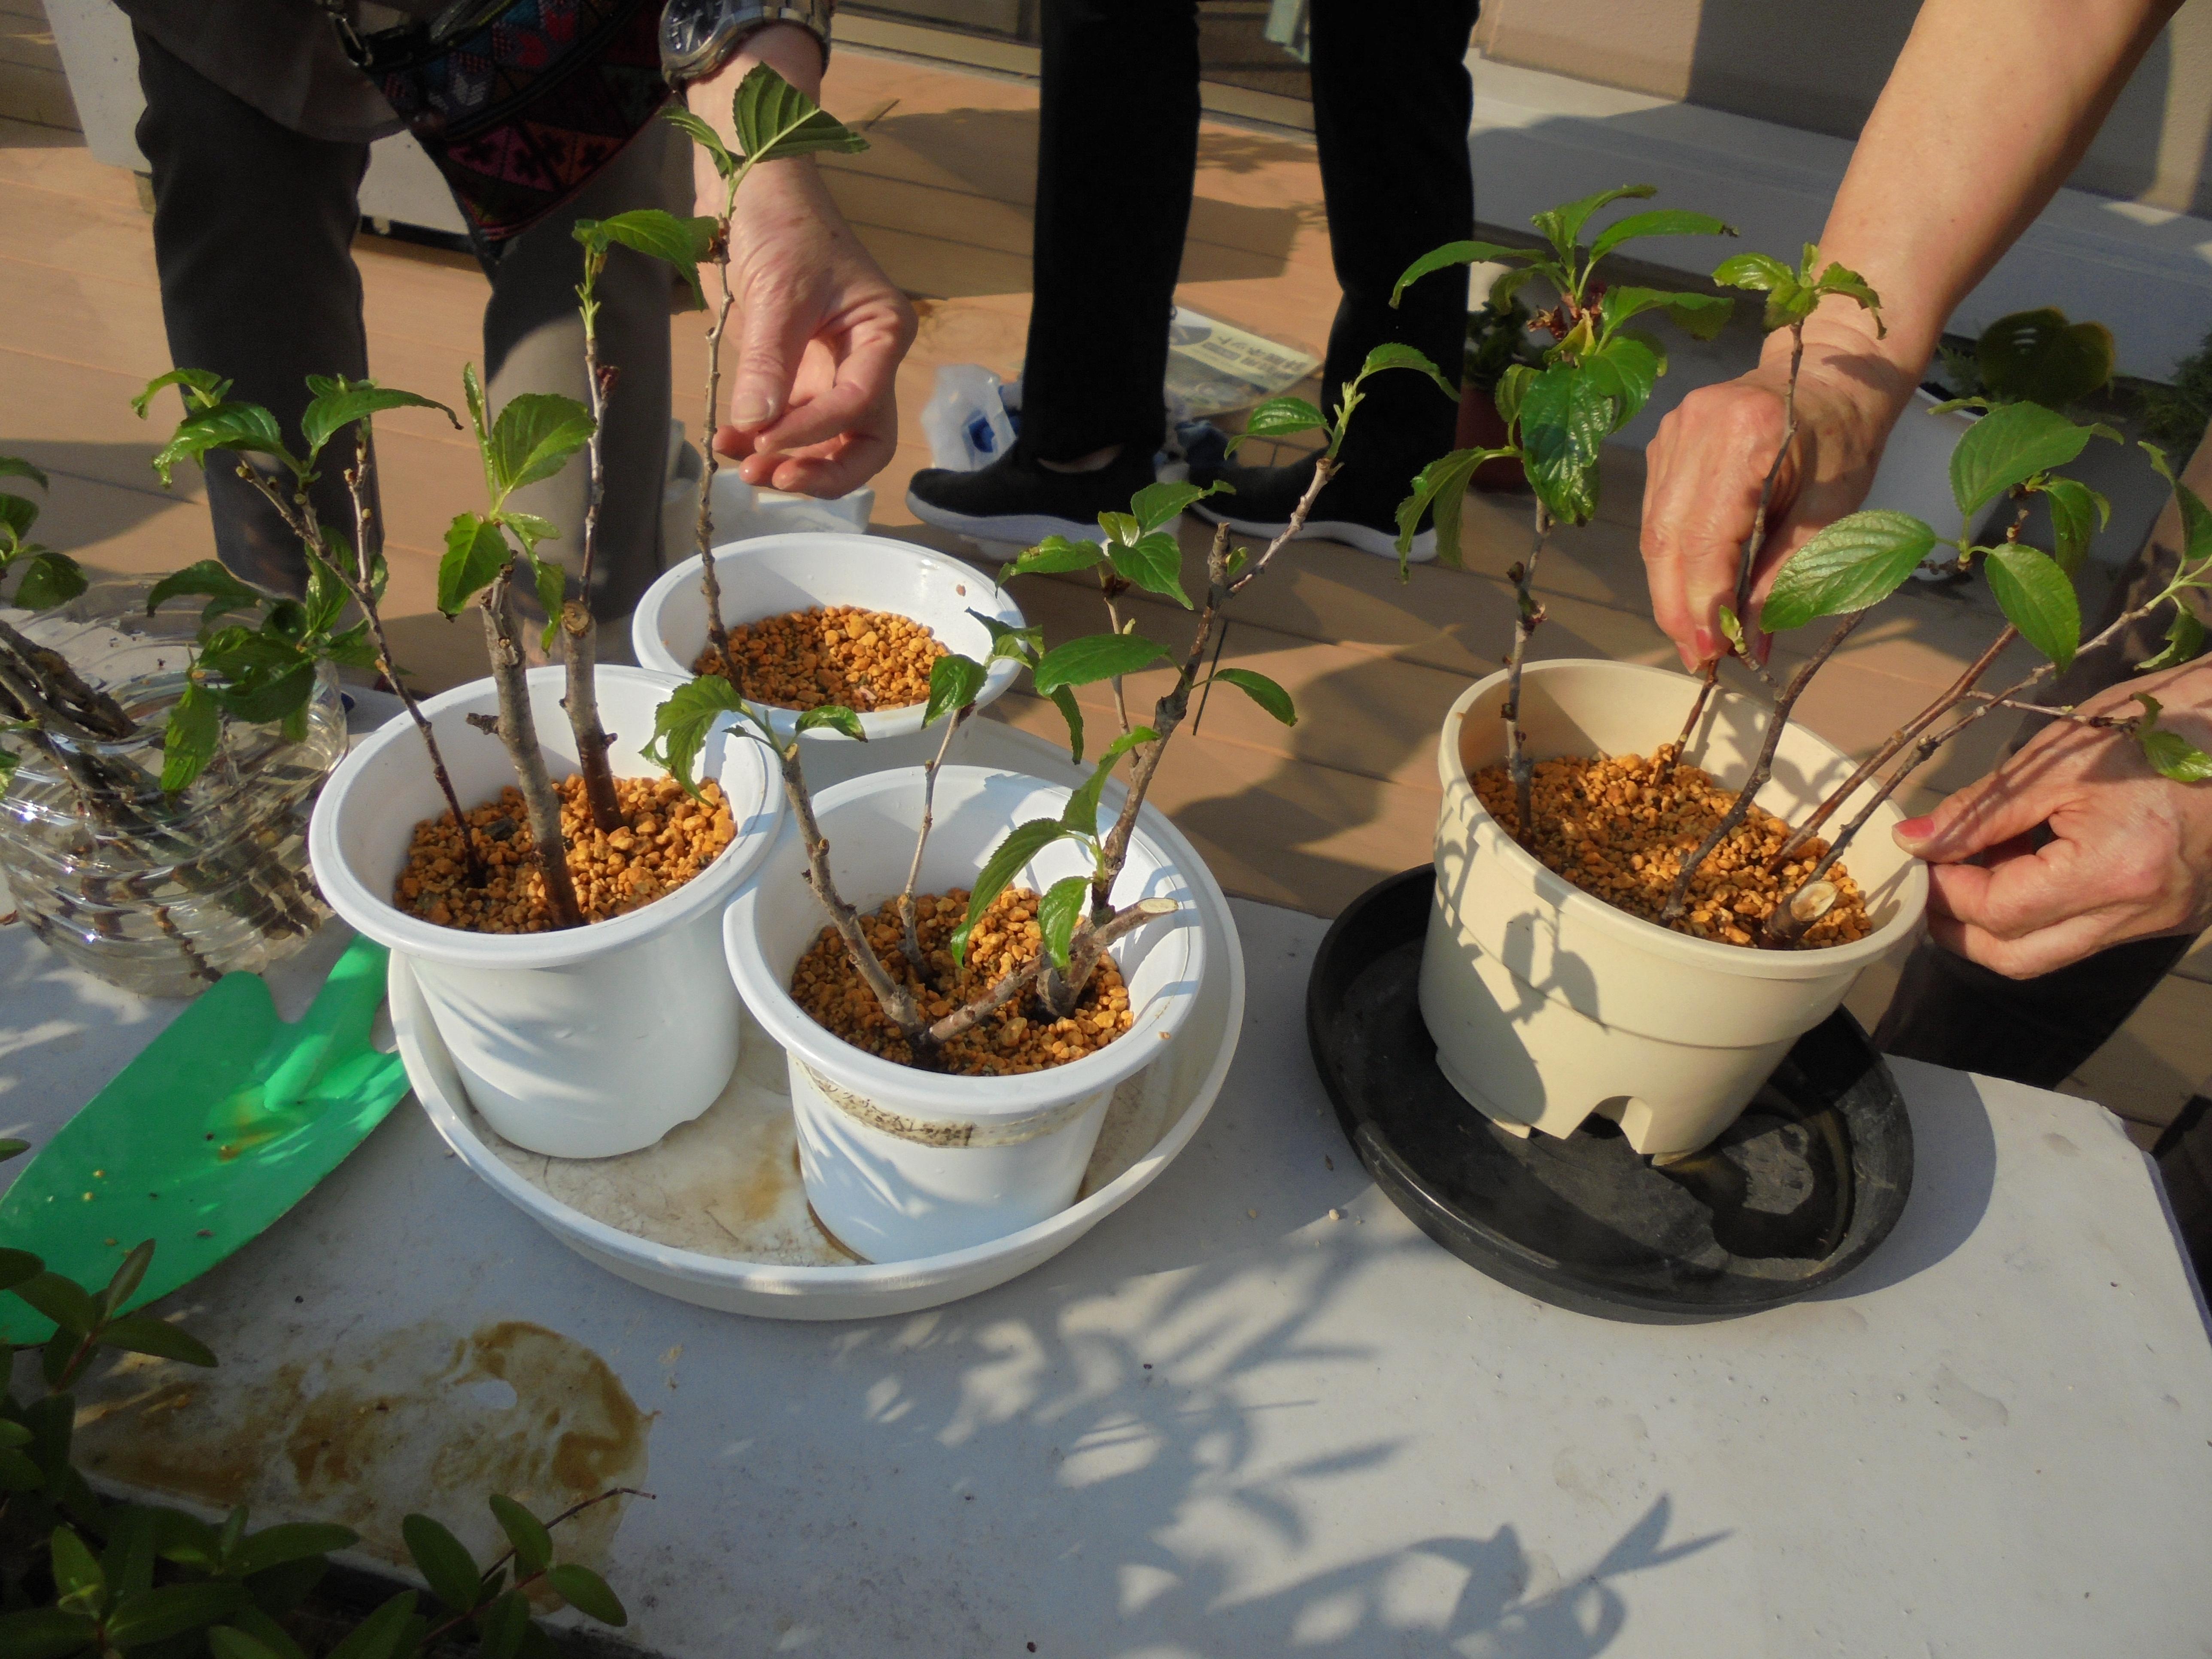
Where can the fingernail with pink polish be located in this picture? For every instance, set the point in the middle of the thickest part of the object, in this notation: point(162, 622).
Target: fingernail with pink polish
point(1916, 829)
point(1708, 643)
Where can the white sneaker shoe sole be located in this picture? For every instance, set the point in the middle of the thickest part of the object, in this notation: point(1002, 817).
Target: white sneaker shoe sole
point(1383, 543)
point(1012, 529)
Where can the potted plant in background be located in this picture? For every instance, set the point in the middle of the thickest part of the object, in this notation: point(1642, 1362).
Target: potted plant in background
point(157, 763)
point(1649, 946)
point(1498, 337)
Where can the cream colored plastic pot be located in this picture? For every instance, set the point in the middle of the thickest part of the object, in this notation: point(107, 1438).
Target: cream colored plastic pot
point(1547, 1005)
point(585, 1042)
point(901, 1163)
point(769, 575)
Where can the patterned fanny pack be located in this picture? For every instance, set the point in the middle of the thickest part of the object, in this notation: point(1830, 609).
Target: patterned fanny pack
point(519, 102)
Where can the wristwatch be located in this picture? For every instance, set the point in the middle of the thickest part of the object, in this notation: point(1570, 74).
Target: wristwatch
point(697, 37)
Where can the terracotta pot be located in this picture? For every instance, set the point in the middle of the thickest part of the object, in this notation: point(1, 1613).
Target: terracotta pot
point(1481, 427)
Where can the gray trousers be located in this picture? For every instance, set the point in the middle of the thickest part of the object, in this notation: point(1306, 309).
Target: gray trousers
point(253, 231)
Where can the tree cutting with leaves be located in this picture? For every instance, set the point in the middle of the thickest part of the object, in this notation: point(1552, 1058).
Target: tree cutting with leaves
point(1597, 375)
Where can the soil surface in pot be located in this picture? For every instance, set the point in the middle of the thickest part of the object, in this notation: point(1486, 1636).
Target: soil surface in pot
point(840, 653)
point(1020, 1036)
point(1620, 826)
point(669, 839)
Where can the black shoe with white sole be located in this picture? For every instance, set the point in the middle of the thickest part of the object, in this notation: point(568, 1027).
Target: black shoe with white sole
point(1265, 496)
point(1016, 499)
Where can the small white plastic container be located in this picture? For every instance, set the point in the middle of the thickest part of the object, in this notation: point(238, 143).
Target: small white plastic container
point(901, 1163)
point(1548, 1004)
point(583, 1042)
point(772, 574)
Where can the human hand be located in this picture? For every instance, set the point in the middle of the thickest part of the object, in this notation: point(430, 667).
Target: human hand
point(1711, 455)
point(2130, 854)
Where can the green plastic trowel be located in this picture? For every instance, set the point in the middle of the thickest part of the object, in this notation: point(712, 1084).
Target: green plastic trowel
point(224, 1120)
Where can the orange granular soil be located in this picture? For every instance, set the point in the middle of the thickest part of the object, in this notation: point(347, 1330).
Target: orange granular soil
point(864, 660)
point(668, 839)
point(1620, 826)
point(1019, 1036)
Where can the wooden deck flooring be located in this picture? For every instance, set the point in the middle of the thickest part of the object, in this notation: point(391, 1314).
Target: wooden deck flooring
point(1305, 816)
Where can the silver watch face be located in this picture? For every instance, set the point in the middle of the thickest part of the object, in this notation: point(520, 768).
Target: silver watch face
point(689, 30)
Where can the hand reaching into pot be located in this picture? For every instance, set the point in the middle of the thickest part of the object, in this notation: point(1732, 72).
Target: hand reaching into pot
point(821, 329)
point(2128, 853)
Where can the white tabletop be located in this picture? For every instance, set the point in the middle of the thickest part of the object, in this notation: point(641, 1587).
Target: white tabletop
point(1222, 1423)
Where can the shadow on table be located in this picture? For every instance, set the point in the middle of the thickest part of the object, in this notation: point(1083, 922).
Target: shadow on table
point(1954, 1161)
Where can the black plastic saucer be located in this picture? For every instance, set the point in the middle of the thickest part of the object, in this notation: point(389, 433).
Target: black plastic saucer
point(1798, 1192)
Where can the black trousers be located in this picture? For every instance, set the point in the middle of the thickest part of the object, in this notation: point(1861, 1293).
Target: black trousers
point(1116, 156)
point(253, 230)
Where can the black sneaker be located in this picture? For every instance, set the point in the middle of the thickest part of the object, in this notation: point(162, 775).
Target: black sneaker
point(1265, 496)
point(1015, 499)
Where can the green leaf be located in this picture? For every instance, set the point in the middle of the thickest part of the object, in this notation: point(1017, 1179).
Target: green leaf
point(1262, 691)
point(379, 1635)
point(1396, 354)
point(500, 1629)
point(2173, 756)
point(18, 1473)
point(1154, 562)
point(228, 1641)
point(1512, 388)
point(79, 1584)
point(1093, 658)
point(1441, 484)
point(1120, 526)
point(190, 738)
point(45, 1633)
point(1660, 221)
point(1022, 844)
point(473, 393)
point(14, 466)
point(533, 1545)
point(1561, 226)
point(1159, 505)
point(327, 594)
point(297, 1540)
point(1626, 367)
point(1859, 561)
point(261, 1626)
point(2039, 357)
point(17, 514)
point(701, 135)
point(533, 438)
point(1081, 813)
point(1455, 253)
point(1279, 417)
point(208, 579)
point(143, 1334)
point(1071, 712)
point(200, 388)
point(552, 588)
point(1701, 316)
point(129, 1275)
point(155, 1615)
point(775, 119)
point(1760, 272)
point(658, 234)
point(1566, 416)
point(1058, 911)
point(955, 682)
point(50, 578)
point(682, 724)
point(1835, 279)
point(2077, 512)
point(476, 553)
point(2037, 599)
point(238, 427)
point(529, 529)
point(836, 716)
point(584, 1590)
point(2007, 446)
point(15, 1267)
point(1051, 556)
point(339, 402)
point(352, 649)
point(2185, 638)
point(443, 1560)
point(271, 695)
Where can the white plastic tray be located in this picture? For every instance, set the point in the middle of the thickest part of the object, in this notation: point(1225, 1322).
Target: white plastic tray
point(715, 1214)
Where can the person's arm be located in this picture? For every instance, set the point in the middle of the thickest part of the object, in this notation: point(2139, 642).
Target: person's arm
point(1989, 108)
point(819, 330)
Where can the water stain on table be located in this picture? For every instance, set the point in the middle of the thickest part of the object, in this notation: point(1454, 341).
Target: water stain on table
point(423, 1418)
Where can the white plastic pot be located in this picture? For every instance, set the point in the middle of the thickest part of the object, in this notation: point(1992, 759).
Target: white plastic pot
point(584, 1042)
point(1548, 1004)
point(770, 575)
point(901, 1163)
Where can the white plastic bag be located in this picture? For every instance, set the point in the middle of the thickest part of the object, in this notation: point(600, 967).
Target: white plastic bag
point(965, 419)
point(740, 510)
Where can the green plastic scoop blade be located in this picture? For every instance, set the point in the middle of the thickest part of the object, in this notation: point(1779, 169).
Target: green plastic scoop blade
point(224, 1121)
